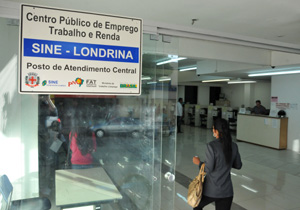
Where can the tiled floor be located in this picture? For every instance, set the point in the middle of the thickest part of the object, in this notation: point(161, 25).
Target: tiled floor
point(269, 178)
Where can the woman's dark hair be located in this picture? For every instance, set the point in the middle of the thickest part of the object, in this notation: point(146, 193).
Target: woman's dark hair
point(84, 140)
point(221, 125)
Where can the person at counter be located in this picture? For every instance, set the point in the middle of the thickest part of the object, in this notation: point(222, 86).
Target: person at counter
point(259, 109)
point(179, 114)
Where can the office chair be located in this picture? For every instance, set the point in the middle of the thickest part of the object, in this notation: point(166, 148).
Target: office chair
point(6, 190)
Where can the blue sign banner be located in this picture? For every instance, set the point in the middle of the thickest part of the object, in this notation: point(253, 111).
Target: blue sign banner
point(79, 51)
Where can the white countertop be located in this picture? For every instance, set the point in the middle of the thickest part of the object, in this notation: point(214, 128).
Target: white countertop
point(84, 186)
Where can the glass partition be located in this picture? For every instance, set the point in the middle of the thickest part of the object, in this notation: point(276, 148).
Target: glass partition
point(121, 148)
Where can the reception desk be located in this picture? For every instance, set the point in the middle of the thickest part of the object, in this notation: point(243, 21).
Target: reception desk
point(262, 130)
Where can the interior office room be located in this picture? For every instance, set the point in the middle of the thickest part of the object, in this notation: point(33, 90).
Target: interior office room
point(220, 65)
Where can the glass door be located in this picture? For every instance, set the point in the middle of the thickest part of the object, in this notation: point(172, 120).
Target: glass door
point(130, 139)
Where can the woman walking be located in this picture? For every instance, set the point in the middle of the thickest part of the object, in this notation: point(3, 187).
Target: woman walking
point(221, 155)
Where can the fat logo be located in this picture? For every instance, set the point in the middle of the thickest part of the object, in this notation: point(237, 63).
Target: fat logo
point(91, 83)
point(32, 80)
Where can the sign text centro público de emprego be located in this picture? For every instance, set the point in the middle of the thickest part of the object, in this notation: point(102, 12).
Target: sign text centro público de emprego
point(74, 52)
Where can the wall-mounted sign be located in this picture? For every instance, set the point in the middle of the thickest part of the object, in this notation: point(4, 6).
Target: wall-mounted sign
point(274, 99)
point(282, 106)
point(74, 52)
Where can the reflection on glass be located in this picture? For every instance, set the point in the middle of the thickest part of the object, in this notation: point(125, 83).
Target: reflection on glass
point(134, 138)
point(128, 131)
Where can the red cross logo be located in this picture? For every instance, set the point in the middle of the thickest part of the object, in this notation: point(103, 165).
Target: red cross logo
point(32, 79)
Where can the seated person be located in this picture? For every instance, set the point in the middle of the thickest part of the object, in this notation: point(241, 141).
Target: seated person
point(259, 109)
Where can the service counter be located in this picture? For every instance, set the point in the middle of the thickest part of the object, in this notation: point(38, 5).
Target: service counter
point(84, 187)
point(262, 130)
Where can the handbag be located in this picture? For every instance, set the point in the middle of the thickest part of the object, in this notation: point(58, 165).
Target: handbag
point(196, 188)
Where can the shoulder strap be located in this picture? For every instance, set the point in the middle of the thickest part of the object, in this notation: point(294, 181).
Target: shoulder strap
point(202, 174)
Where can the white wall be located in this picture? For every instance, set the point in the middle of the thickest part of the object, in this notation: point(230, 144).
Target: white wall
point(286, 88)
point(18, 121)
point(203, 95)
point(262, 92)
point(221, 51)
point(181, 91)
point(247, 94)
point(238, 94)
point(235, 94)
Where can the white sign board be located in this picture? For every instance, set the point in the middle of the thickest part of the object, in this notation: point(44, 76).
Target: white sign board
point(74, 52)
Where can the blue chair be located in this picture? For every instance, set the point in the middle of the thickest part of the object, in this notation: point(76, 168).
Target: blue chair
point(6, 190)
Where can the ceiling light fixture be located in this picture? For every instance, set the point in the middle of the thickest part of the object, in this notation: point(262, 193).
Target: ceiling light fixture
point(241, 82)
point(216, 80)
point(146, 78)
point(188, 68)
point(164, 78)
point(274, 73)
point(149, 83)
point(170, 61)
